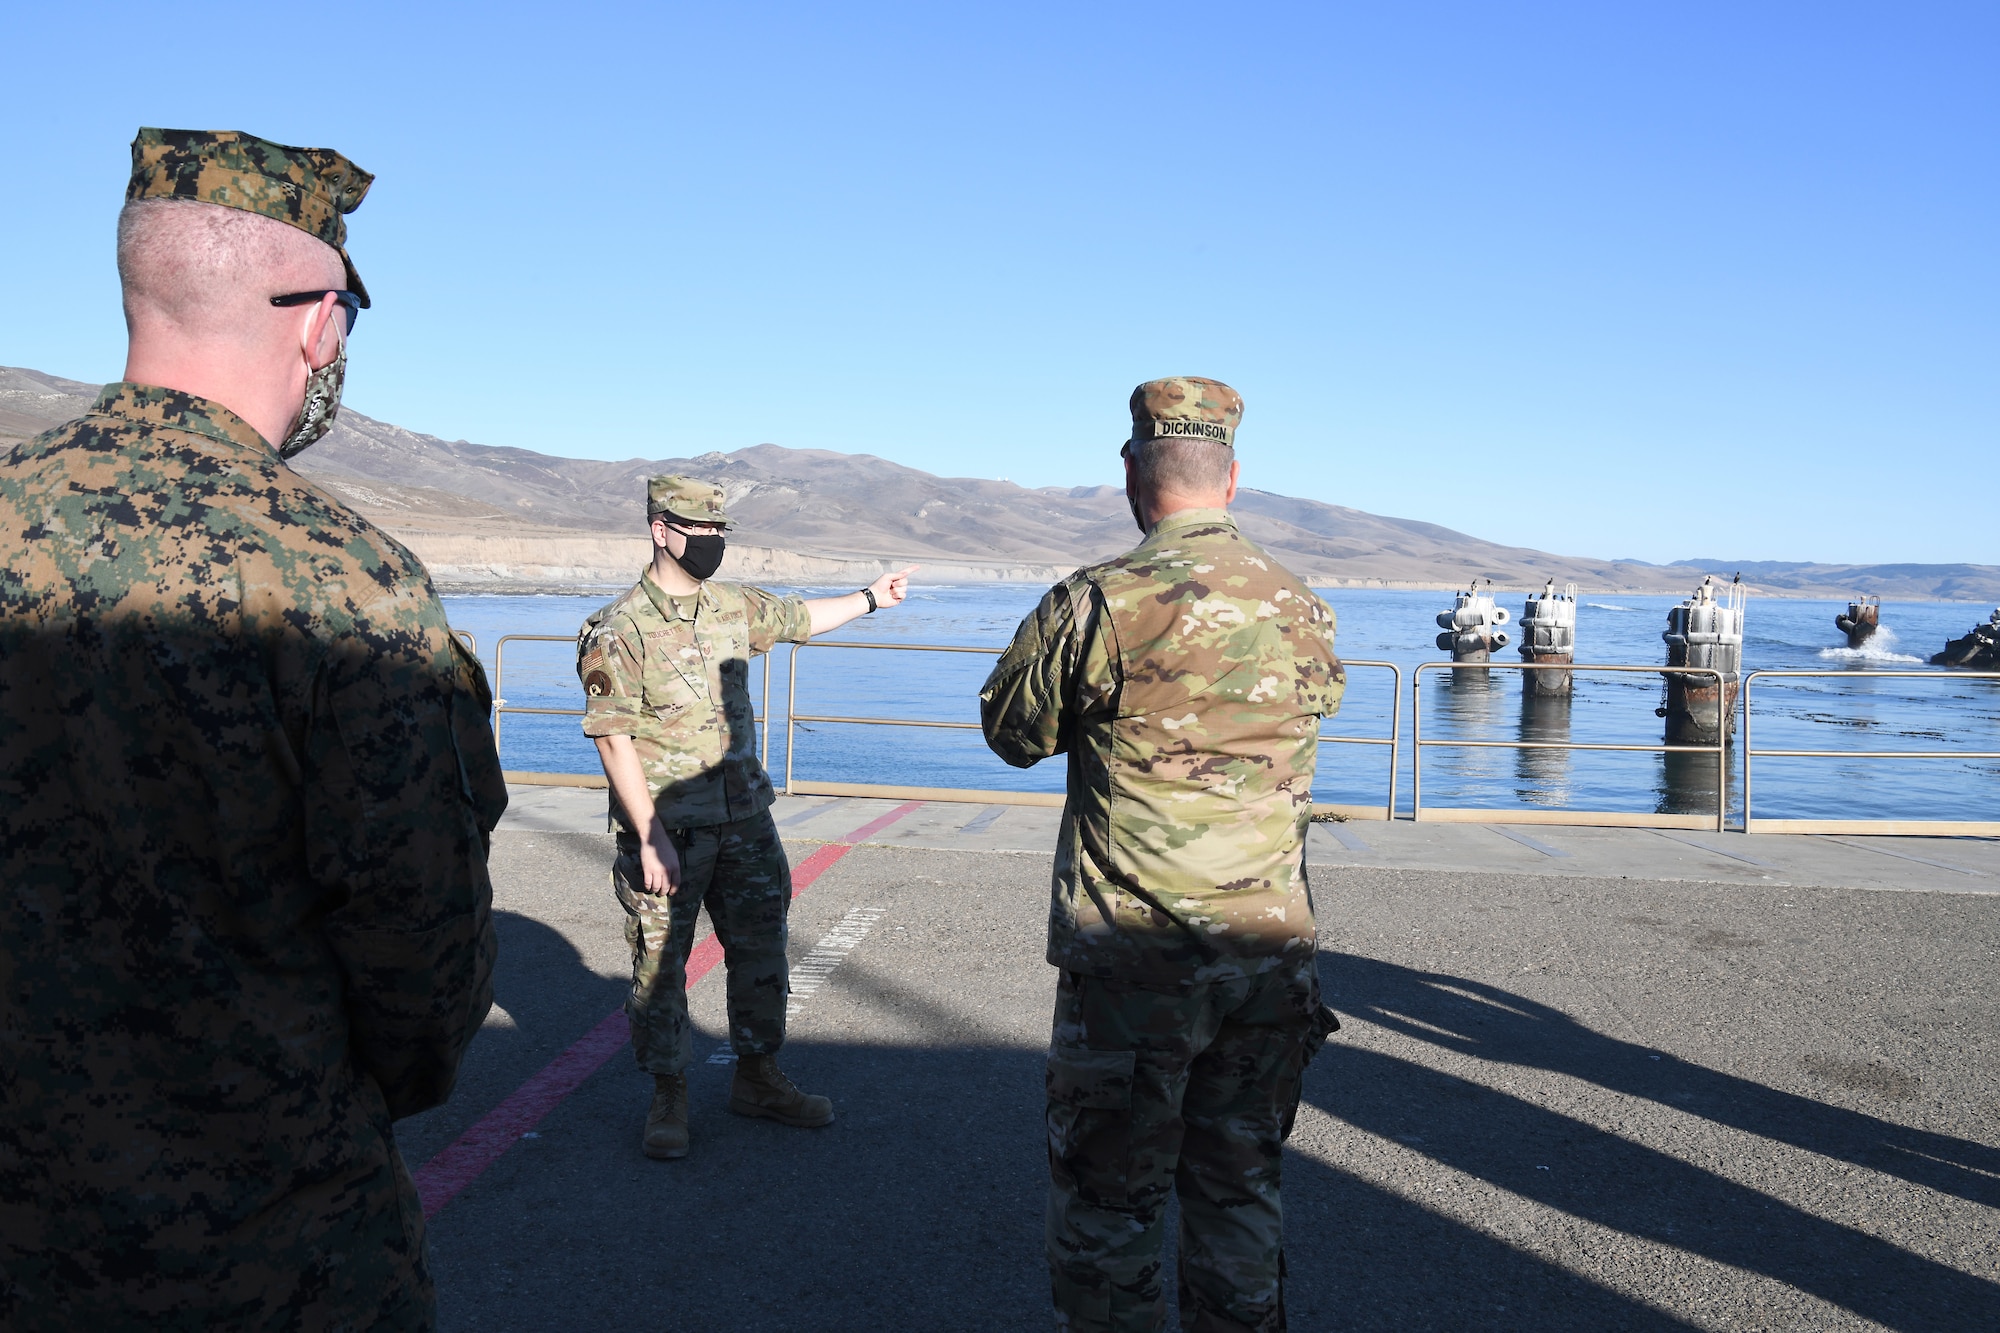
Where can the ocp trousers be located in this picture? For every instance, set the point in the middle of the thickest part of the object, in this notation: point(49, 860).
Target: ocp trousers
point(738, 871)
point(1188, 1089)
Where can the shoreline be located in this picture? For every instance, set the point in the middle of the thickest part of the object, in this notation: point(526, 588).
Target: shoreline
point(554, 562)
point(506, 588)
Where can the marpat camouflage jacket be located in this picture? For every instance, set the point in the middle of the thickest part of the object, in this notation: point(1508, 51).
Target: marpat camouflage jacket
point(1185, 680)
point(246, 782)
point(673, 673)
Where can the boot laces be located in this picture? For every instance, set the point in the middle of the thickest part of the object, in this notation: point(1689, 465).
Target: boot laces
point(775, 1078)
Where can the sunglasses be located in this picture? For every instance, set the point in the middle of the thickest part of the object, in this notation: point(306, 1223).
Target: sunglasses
point(348, 302)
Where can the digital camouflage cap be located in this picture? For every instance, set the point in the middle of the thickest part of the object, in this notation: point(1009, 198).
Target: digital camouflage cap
point(1185, 407)
point(313, 189)
point(687, 499)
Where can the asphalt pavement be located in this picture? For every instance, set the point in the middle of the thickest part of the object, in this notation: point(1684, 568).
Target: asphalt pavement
point(1593, 1079)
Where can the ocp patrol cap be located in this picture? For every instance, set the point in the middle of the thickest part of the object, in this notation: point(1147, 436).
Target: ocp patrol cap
point(1185, 407)
point(686, 499)
point(313, 189)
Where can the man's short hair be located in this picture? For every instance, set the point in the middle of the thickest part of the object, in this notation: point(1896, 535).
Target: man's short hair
point(191, 262)
point(1181, 465)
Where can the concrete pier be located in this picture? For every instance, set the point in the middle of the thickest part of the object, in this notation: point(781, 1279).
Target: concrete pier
point(1588, 1079)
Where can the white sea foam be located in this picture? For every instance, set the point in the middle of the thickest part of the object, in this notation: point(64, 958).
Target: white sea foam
point(1881, 647)
point(1606, 606)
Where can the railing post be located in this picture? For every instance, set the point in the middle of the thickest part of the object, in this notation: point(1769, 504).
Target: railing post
point(1726, 710)
point(1748, 681)
point(765, 757)
point(499, 698)
point(1395, 736)
point(791, 707)
point(1417, 743)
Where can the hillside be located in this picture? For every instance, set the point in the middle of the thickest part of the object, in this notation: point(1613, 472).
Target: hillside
point(491, 517)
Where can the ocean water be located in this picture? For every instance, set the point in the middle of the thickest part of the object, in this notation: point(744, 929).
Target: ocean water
point(1938, 710)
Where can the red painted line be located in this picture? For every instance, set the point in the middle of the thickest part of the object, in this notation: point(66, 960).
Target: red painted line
point(441, 1179)
point(875, 826)
point(811, 868)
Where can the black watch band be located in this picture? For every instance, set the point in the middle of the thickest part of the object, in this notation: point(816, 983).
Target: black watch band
point(869, 593)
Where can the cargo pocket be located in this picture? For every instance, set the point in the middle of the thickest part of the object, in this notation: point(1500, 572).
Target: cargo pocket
point(1324, 1024)
point(1090, 1123)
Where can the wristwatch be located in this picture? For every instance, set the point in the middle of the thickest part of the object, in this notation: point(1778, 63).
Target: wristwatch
point(869, 593)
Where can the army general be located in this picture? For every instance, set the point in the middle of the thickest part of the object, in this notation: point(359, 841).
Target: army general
point(666, 682)
point(1185, 681)
point(246, 783)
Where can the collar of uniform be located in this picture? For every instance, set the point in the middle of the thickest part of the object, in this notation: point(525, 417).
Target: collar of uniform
point(668, 605)
point(151, 405)
point(1190, 518)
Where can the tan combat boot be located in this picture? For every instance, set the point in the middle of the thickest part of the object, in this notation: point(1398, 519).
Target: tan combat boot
point(667, 1121)
point(761, 1088)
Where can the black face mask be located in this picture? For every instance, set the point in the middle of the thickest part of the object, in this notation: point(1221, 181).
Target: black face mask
point(703, 555)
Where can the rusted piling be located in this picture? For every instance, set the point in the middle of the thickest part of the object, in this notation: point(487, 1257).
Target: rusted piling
point(1472, 627)
point(1704, 631)
point(1862, 618)
point(1548, 635)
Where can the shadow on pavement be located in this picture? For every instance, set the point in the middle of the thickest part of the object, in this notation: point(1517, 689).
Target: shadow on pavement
point(1590, 1173)
point(921, 1206)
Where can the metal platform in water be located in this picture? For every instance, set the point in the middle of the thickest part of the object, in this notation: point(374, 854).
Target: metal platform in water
point(1589, 1078)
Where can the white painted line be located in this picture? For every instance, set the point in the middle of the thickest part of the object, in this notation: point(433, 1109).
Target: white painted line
point(812, 971)
point(1535, 843)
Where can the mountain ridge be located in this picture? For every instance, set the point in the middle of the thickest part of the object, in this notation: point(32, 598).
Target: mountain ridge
point(496, 516)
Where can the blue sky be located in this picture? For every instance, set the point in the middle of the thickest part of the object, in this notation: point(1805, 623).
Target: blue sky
point(1636, 279)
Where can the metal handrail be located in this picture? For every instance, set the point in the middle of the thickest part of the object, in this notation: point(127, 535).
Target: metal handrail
point(793, 787)
point(1906, 827)
point(500, 704)
point(1394, 740)
point(1618, 818)
point(793, 716)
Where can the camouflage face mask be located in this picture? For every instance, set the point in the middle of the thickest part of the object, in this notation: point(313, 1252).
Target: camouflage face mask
point(321, 406)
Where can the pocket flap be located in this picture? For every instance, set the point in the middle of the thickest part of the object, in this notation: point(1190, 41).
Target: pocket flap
point(1090, 1080)
point(1324, 1024)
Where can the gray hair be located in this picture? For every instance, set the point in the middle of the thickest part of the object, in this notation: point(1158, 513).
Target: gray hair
point(1182, 466)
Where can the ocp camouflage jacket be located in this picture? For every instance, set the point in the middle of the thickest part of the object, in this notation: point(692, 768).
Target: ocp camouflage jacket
point(673, 673)
point(1185, 680)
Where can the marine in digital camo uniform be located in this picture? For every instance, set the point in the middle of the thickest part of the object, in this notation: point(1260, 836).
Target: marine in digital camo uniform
point(666, 678)
point(246, 783)
point(1185, 681)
